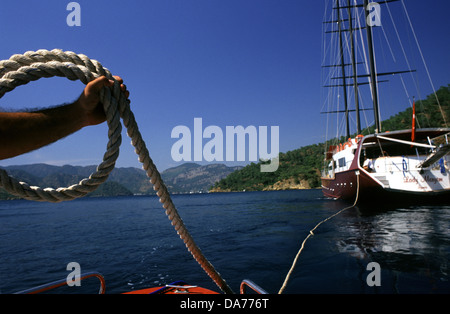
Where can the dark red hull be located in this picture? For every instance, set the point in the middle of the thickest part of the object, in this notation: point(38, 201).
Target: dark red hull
point(345, 186)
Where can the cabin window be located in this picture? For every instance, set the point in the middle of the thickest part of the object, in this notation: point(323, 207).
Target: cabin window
point(341, 162)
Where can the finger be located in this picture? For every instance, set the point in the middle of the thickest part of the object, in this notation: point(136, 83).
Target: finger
point(118, 79)
point(99, 83)
point(123, 87)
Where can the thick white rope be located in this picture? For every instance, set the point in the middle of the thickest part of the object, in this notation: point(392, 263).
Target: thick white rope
point(294, 263)
point(33, 65)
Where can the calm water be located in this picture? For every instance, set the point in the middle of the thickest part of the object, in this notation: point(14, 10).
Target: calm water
point(253, 235)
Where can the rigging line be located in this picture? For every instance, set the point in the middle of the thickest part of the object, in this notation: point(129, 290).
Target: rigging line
point(324, 47)
point(376, 82)
point(362, 105)
point(374, 66)
point(424, 63)
point(410, 103)
point(311, 234)
point(388, 43)
point(324, 52)
point(360, 51)
point(364, 54)
point(336, 70)
point(415, 81)
point(362, 46)
point(327, 49)
point(401, 43)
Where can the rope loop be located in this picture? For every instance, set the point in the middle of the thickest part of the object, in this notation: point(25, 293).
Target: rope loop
point(33, 65)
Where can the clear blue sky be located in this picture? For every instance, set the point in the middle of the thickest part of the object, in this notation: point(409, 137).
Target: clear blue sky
point(230, 62)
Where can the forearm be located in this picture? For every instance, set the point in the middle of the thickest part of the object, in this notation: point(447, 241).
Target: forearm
point(22, 132)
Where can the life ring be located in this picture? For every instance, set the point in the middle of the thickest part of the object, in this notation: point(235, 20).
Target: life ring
point(359, 138)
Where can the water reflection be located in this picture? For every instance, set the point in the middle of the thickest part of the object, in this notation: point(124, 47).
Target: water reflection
point(409, 242)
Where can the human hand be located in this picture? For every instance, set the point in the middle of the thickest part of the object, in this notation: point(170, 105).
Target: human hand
point(88, 104)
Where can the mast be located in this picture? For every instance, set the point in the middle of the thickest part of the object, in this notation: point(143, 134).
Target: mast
point(343, 68)
point(355, 82)
point(373, 74)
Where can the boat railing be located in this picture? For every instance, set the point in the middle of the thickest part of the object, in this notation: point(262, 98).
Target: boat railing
point(63, 282)
point(248, 283)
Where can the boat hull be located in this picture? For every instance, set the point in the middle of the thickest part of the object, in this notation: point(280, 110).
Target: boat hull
point(345, 187)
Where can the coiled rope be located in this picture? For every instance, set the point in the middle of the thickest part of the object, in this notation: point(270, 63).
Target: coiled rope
point(294, 263)
point(33, 65)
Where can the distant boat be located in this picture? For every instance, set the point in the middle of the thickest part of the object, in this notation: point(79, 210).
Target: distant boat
point(409, 165)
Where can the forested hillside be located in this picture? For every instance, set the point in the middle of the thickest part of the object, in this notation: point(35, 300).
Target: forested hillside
point(300, 168)
point(429, 113)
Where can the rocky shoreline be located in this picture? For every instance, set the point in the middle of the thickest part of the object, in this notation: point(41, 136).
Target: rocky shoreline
point(287, 184)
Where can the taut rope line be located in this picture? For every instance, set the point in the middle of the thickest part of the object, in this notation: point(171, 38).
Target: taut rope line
point(33, 65)
point(294, 263)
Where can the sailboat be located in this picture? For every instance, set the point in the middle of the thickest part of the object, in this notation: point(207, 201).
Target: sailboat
point(401, 166)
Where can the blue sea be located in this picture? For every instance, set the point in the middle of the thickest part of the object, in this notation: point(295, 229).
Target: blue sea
point(248, 235)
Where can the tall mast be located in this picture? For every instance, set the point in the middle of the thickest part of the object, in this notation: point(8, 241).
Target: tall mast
point(355, 82)
point(373, 74)
point(343, 67)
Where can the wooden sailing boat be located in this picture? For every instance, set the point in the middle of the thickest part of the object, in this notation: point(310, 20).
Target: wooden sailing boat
point(409, 165)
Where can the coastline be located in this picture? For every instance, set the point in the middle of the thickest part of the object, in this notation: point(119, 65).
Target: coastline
point(287, 184)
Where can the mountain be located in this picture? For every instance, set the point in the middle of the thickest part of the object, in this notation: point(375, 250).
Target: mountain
point(191, 177)
point(186, 178)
